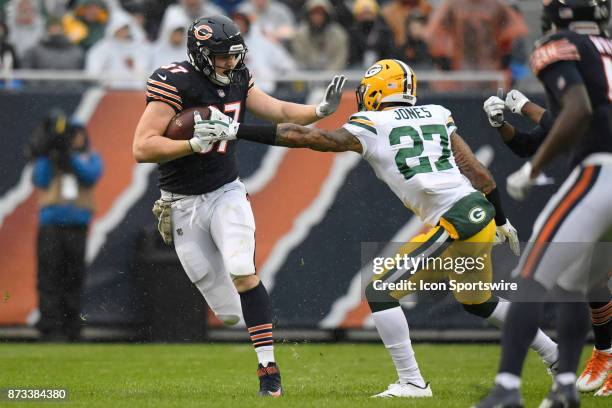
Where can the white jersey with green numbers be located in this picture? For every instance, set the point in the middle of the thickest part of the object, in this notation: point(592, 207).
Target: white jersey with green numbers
point(409, 148)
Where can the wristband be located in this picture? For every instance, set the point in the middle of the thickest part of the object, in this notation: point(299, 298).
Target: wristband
point(265, 134)
point(493, 198)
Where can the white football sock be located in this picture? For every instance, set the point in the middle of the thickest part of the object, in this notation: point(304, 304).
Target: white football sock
point(265, 354)
point(565, 378)
point(393, 330)
point(542, 344)
point(507, 380)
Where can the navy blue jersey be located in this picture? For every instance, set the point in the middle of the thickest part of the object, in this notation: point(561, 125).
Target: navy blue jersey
point(182, 87)
point(566, 58)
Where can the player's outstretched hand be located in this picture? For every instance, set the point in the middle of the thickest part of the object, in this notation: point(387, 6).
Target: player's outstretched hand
point(218, 127)
point(515, 101)
point(331, 100)
point(520, 182)
point(508, 232)
point(494, 108)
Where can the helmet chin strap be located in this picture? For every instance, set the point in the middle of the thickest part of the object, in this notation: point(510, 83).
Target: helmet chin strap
point(585, 27)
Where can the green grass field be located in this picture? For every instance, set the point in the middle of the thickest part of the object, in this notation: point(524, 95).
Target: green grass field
point(223, 375)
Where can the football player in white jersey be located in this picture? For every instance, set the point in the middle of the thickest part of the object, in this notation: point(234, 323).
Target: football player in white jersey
point(417, 152)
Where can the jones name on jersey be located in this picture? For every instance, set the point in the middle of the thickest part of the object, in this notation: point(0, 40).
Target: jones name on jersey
point(409, 148)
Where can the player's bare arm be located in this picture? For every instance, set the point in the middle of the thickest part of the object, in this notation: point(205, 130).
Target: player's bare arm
point(269, 108)
point(149, 146)
point(570, 126)
point(515, 102)
point(470, 167)
point(277, 111)
point(340, 140)
point(533, 111)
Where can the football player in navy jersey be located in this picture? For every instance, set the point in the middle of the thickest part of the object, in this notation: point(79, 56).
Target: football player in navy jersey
point(203, 207)
point(574, 63)
point(597, 373)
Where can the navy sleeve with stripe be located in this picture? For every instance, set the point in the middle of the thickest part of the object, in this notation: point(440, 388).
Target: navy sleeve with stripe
point(161, 88)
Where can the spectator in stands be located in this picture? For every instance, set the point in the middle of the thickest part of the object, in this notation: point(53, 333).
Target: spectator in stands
point(54, 51)
point(136, 10)
point(474, 34)
point(275, 19)
point(266, 59)
point(397, 12)
point(65, 171)
point(320, 43)
point(26, 24)
point(189, 9)
point(119, 59)
point(517, 62)
point(171, 43)
point(86, 24)
point(370, 37)
point(415, 49)
point(8, 56)
point(154, 11)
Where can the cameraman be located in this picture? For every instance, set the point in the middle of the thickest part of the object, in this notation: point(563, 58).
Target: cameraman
point(65, 171)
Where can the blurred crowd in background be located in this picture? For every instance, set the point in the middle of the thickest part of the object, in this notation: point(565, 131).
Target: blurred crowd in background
point(134, 37)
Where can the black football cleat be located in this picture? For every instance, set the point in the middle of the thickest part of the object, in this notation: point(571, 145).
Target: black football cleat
point(501, 397)
point(562, 396)
point(269, 381)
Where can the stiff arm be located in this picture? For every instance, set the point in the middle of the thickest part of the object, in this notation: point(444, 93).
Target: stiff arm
point(339, 140)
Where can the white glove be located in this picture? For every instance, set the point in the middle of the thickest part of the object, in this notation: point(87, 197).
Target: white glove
point(520, 182)
point(494, 108)
point(331, 100)
point(218, 127)
point(515, 101)
point(197, 143)
point(507, 231)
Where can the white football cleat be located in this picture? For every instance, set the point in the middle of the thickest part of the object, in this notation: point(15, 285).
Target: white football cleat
point(405, 390)
point(606, 388)
point(595, 372)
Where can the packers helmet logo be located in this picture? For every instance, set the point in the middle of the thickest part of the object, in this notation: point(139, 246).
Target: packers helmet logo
point(477, 215)
point(203, 32)
point(373, 70)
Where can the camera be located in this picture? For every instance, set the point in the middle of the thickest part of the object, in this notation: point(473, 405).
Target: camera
point(53, 138)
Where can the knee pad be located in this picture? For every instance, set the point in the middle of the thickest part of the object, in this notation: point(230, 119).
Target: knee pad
point(228, 320)
point(239, 265)
point(221, 297)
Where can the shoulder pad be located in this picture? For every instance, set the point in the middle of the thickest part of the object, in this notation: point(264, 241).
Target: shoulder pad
point(164, 85)
point(555, 48)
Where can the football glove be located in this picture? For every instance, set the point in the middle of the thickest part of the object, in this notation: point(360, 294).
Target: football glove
point(520, 182)
point(515, 101)
point(218, 127)
point(508, 232)
point(197, 143)
point(494, 108)
point(331, 100)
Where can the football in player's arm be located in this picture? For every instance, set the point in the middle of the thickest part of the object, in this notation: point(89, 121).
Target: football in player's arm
point(204, 209)
point(150, 146)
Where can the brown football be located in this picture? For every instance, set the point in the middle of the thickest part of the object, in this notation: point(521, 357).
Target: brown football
point(181, 125)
